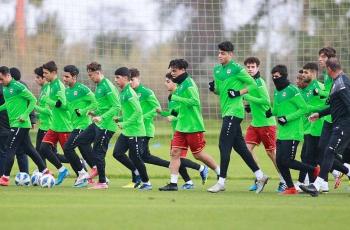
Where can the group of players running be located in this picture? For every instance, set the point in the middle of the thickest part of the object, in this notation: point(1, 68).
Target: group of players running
point(310, 111)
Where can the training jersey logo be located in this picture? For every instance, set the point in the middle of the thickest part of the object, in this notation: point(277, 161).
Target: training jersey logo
point(284, 94)
point(11, 91)
point(228, 71)
point(75, 93)
point(217, 71)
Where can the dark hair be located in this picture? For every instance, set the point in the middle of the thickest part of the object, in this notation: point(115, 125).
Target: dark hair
point(50, 66)
point(328, 51)
point(311, 66)
point(178, 64)
point(72, 69)
point(282, 69)
point(226, 46)
point(300, 71)
point(93, 66)
point(333, 63)
point(39, 71)
point(252, 60)
point(4, 70)
point(123, 71)
point(15, 73)
point(134, 72)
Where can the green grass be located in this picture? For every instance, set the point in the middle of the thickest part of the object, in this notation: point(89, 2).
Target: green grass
point(65, 207)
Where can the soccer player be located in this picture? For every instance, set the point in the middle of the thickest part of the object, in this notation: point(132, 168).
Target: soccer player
point(22, 158)
point(171, 115)
point(261, 129)
point(80, 100)
point(133, 130)
point(307, 83)
point(324, 54)
point(19, 103)
point(103, 127)
point(44, 113)
point(231, 81)
point(289, 107)
point(61, 124)
point(189, 130)
point(339, 108)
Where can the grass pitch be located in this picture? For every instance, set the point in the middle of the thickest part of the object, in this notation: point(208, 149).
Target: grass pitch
point(65, 207)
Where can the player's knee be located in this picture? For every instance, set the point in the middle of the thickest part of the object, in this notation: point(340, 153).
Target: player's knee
point(44, 148)
point(175, 153)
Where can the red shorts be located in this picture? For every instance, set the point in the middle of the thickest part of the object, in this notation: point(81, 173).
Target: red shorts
point(266, 135)
point(182, 141)
point(53, 137)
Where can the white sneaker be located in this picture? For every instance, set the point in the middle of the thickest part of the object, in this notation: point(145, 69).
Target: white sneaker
point(260, 184)
point(216, 188)
point(82, 180)
point(324, 187)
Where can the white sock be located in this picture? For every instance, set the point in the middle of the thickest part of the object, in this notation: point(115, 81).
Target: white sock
point(318, 182)
point(94, 167)
point(306, 180)
point(221, 180)
point(82, 171)
point(259, 174)
point(281, 179)
point(201, 168)
point(137, 172)
point(61, 169)
point(348, 167)
point(173, 178)
point(217, 170)
point(189, 182)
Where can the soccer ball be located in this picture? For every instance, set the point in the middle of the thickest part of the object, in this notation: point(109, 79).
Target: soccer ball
point(22, 179)
point(35, 179)
point(47, 181)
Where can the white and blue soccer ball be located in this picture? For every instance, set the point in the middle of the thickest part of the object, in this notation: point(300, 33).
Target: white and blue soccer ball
point(22, 179)
point(35, 178)
point(47, 181)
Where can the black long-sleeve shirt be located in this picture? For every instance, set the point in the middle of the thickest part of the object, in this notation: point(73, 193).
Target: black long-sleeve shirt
point(4, 120)
point(339, 100)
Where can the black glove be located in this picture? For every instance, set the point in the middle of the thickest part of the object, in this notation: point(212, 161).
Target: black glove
point(58, 103)
point(169, 97)
point(315, 92)
point(77, 112)
point(211, 86)
point(233, 93)
point(268, 113)
point(174, 113)
point(282, 120)
point(247, 108)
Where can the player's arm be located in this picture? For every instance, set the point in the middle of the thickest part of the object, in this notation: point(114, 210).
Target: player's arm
point(262, 100)
point(244, 77)
point(26, 94)
point(135, 115)
point(191, 99)
point(345, 97)
point(300, 103)
point(91, 103)
point(43, 110)
point(154, 104)
point(115, 107)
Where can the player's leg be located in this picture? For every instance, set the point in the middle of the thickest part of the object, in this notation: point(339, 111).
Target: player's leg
point(99, 150)
point(284, 151)
point(119, 153)
point(241, 148)
point(74, 160)
point(148, 158)
point(338, 142)
point(22, 160)
point(2, 153)
point(47, 149)
point(14, 140)
point(136, 149)
point(303, 158)
point(252, 139)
